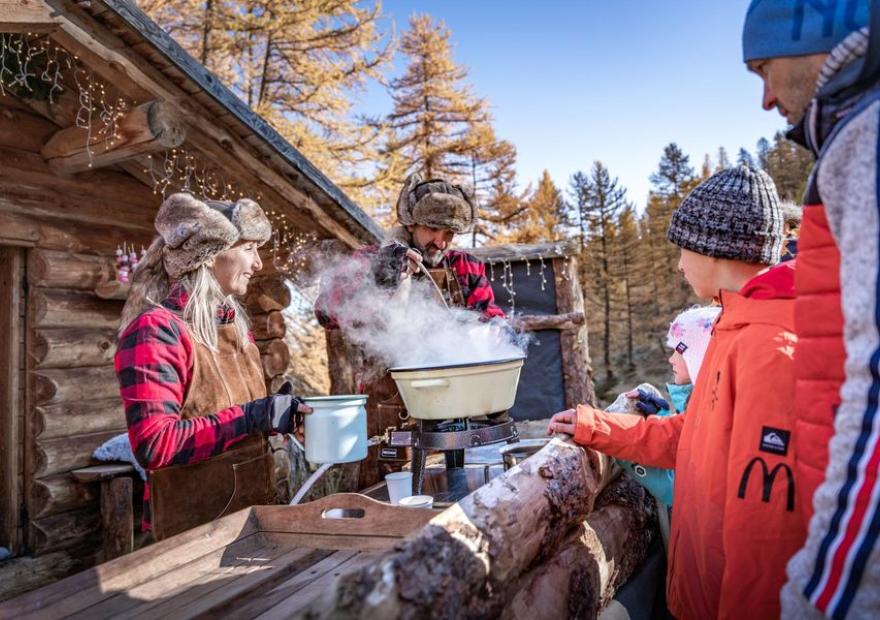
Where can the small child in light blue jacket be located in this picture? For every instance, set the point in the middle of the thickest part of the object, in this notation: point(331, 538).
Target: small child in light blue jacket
point(688, 337)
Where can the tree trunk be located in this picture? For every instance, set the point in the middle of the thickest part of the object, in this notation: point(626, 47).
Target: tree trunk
point(468, 558)
point(595, 559)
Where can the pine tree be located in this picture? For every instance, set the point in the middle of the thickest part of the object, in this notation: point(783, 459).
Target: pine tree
point(627, 250)
point(723, 159)
point(706, 169)
point(542, 218)
point(789, 165)
point(744, 158)
point(597, 199)
point(435, 113)
point(763, 151)
point(298, 63)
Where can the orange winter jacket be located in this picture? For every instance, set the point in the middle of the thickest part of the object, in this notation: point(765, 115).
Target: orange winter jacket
point(737, 517)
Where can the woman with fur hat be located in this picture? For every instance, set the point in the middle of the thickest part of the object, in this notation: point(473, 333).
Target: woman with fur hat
point(189, 372)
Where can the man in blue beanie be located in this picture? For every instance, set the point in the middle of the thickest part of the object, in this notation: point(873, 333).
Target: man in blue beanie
point(821, 74)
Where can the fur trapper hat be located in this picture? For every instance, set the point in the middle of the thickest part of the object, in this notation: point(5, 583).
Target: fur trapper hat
point(435, 203)
point(193, 231)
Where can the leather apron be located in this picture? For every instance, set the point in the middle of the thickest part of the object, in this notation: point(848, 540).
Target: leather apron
point(385, 408)
point(184, 496)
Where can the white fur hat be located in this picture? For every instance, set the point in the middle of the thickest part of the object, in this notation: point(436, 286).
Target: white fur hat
point(689, 334)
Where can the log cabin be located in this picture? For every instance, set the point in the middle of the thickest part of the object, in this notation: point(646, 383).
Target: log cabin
point(101, 113)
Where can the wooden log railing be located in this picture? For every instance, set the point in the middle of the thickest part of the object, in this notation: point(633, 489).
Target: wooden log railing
point(469, 557)
point(537, 322)
point(150, 127)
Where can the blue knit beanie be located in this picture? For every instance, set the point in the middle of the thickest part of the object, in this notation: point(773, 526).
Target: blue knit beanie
point(776, 28)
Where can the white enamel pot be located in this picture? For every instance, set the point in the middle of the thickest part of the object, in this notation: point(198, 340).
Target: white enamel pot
point(458, 391)
point(336, 431)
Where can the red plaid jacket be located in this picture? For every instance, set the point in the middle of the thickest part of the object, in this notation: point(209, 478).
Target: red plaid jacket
point(154, 362)
point(470, 271)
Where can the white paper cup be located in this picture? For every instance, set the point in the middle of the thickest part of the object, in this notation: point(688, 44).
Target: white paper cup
point(399, 485)
point(418, 501)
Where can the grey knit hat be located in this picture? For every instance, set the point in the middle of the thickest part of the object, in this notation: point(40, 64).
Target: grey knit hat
point(733, 214)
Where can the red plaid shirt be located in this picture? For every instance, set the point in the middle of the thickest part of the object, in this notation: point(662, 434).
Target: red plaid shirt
point(470, 271)
point(154, 363)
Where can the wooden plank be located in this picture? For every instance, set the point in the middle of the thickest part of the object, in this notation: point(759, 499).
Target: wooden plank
point(537, 322)
point(521, 252)
point(291, 605)
point(11, 403)
point(88, 588)
point(577, 369)
point(92, 416)
point(72, 348)
point(23, 16)
point(214, 570)
point(99, 473)
point(245, 610)
point(275, 356)
point(117, 517)
point(242, 582)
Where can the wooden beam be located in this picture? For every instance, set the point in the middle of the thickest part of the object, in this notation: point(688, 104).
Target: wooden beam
point(23, 16)
point(537, 322)
point(117, 517)
point(119, 64)
point(149, 128)
point(522, 252)
point(577, 370)
point(11, 401)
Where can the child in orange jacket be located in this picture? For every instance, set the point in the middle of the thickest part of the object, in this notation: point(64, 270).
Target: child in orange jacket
point(737, 516)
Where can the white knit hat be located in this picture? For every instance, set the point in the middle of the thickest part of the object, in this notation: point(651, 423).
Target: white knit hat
point(689, 334)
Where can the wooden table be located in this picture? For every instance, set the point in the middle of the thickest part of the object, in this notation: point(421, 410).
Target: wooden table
point(264, 561)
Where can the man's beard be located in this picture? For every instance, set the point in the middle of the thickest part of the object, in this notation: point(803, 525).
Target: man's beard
point(432, 256)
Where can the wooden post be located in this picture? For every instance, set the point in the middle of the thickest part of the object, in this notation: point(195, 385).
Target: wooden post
point(11, 398)
point(117, 517)
point(576, 368)
point(151, 127)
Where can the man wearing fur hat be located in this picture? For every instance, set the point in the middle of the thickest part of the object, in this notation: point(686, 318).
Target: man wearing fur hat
point(429, 213)
point(189, 373)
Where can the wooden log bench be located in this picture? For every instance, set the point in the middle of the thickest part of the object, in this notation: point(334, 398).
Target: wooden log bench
point(117, 509)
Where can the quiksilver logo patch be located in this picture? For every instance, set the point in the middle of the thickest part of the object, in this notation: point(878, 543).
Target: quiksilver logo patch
point(774, 440)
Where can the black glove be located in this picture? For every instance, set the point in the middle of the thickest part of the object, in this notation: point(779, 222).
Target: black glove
point(276, 413)
point(388, 263)
point(649, 403)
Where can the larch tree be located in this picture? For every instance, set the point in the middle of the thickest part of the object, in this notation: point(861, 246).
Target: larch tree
point(596, 200)
point(627, 271)
point(298, 63)
point(435, 113)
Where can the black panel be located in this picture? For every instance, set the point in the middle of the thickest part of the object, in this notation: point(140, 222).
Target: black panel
point(529, 299)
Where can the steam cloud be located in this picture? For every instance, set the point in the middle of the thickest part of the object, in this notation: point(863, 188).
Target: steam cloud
point(409, 326)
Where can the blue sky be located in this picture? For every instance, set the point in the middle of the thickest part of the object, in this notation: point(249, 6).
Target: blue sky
point(573, 81)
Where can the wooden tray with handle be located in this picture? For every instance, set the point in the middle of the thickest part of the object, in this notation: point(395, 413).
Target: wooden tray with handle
point(261, 562)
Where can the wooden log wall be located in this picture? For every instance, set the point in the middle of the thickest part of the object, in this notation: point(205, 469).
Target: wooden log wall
point(266, 298)
point(69, 228)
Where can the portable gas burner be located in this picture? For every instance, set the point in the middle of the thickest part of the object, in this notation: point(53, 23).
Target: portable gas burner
point(452, 437)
